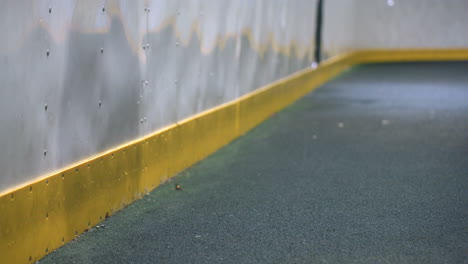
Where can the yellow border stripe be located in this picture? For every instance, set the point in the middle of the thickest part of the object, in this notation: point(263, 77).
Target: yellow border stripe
point(409, 55)
point(41, 216)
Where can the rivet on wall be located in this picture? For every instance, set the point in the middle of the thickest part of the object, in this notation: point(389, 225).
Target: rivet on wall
point(50, 10)
point(103, 9)
point(45, 152)
point(100, 103)
point(102, 50)
point(47, 53)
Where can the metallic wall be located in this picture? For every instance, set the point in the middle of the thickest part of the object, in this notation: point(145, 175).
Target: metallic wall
point(78, 77)
point(389, 24)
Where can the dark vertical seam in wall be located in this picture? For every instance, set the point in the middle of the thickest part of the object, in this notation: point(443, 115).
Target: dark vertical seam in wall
point(318, 31)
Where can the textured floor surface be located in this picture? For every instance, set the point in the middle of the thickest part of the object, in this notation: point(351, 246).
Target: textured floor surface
point(370, 168)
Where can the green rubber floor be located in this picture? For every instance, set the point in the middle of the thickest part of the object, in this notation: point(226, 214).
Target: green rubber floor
point(370, 168)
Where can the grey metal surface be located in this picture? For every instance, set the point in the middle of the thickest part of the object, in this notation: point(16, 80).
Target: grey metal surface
point(78, 77)
point(389, 24)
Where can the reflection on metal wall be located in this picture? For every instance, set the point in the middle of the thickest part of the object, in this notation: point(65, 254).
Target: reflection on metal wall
point(388, 24)
point(78, 77)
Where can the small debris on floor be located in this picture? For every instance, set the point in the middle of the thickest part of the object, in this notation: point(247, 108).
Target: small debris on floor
point(340, 125)
point(177, 187)
point(385, 122)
